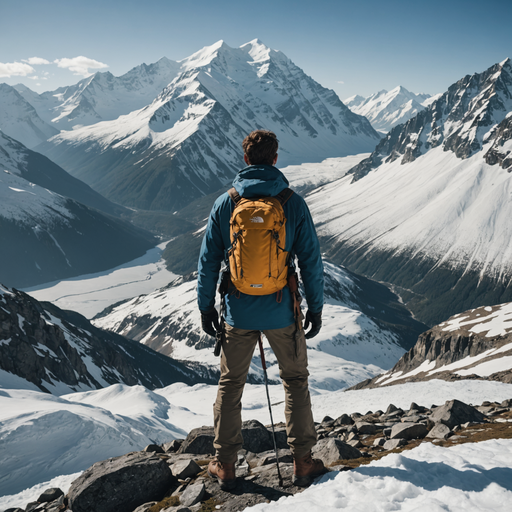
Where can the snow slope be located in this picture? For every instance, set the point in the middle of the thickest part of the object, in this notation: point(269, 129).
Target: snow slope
point(469, 477)
point(91, 293)
point(429, 210)
point(46, 236)
point(19, 119)
point(385, 110)
point(43, 436)
point(454, 211)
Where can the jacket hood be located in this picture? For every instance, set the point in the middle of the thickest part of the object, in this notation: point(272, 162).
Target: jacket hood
point(260, 181)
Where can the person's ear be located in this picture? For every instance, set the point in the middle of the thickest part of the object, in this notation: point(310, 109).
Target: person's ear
point(275, 160)
point(246, 160)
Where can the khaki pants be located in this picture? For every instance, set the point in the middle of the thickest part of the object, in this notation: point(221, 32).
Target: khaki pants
point(237, 352)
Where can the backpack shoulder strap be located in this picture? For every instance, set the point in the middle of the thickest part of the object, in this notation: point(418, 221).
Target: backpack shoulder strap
point(235, 196)
point(284, 195)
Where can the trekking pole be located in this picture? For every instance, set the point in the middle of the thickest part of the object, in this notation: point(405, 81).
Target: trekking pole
point(263, 364)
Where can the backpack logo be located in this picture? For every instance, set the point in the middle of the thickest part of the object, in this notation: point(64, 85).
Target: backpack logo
point(257, 220)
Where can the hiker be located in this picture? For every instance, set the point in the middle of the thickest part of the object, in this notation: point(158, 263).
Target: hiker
point(247, 313)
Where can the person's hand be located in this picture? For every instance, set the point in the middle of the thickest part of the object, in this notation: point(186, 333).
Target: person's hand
point(210, 322)
point(315, 319)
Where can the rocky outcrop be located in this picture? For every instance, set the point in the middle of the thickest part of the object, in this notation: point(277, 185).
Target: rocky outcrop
point(170, 481)
point(470, 114)
point(121, 484)
point(475, 344)
point(52, 348)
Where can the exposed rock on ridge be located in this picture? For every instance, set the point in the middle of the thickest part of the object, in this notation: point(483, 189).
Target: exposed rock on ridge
point(62, 352)
point(472, 113)
point(476, 344)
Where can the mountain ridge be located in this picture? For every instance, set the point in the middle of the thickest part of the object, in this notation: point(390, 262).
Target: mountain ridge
point(428, 212)
point(187, 140)
point(387, 109)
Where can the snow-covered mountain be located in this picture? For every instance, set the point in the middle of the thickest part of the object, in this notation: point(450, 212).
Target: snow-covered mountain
point(362, 329)
point(19, 119)
point(62, 352)
point(385, 110)
point(37, 169)
point(45, 236)
point(187, 142)
point(102, 96)
point(429, 211)
point(476, 344)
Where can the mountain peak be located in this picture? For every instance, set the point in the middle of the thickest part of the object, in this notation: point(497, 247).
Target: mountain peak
point(204, 56)
point(257, 50)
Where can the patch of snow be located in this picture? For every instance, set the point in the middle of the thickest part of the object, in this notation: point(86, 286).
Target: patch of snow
point(91, 293)
point(472, 476)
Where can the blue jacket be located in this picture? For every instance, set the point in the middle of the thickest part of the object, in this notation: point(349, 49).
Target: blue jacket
point(261, 312)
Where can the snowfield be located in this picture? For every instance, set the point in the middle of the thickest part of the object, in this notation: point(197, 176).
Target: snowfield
point(470, 477)
point(456, 211)
point(89, 294)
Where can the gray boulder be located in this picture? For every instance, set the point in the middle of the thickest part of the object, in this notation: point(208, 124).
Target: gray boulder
point(153, 448)
point(391, 444)
point(184, 469)
point(455, 412)
point(193, 494)
point(121, 484)
point(173, 446)
point(344, 419)
point(258, 438)
point(365, 428)
point(439, 431)
point(50, 495)
point(392, 408)
point(331, 450)
point(198, 441)
point(408, 431)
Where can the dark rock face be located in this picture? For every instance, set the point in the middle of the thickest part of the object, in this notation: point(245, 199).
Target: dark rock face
point(408, 431)
point(198, 441)
point(458, 120)
point(461, 336)
point(39, 337)
point(50, 495)
point(121, 484)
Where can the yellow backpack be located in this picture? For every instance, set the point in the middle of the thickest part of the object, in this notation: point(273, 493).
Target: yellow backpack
point(258, 263)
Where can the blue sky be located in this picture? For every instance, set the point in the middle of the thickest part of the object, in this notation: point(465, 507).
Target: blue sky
point(353, 47)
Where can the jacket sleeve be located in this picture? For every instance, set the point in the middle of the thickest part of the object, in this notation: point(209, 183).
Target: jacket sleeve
point(307, 249)
point(210, 259)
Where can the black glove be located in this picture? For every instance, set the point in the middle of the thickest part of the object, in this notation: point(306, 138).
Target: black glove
point(315, 319)
point(210, 322)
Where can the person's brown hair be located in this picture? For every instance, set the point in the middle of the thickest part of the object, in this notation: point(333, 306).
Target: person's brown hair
point(260, 146)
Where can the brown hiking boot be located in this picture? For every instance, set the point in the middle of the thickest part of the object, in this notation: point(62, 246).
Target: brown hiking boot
point(224, 472)
point(306, 469)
